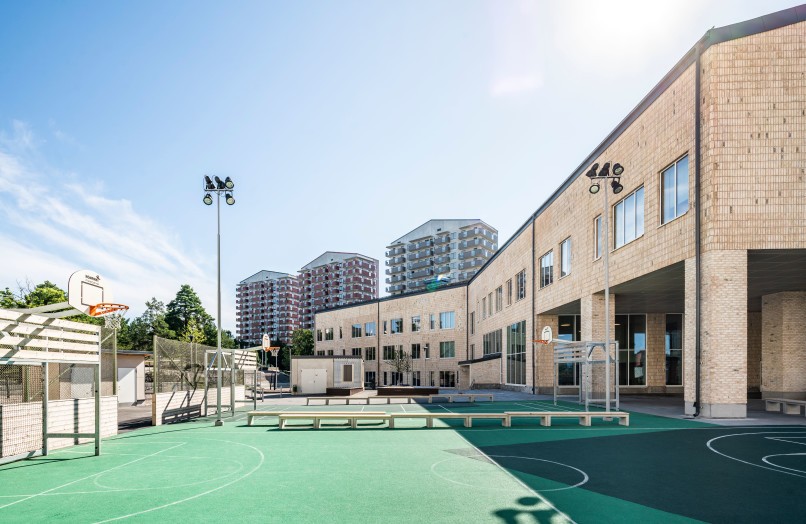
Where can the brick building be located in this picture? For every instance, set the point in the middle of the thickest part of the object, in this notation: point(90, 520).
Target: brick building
point(267, 302)
point(706, 244)
point(336, 279)
point(443, 251)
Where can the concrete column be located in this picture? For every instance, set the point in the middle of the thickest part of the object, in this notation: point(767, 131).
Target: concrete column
point(783, 345)
point(723, 371)
point(544, 359)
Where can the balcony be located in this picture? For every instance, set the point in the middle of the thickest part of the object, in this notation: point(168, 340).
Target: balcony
point(419, 284)
point(467, 275)
point(421, 254)
point(441, 270)
point(442, 260)
point(441, 250)
point(428, 242)
point(395, 270)
point(422, 273)
point(395, 261)
point(395, 279)
point(397, 288)
point(422, 263)
point(395, 251)
point(474, 253)
point(471, 263)
point(443, 239)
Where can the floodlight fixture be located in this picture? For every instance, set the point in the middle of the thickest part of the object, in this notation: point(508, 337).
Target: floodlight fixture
point(208, 199)
point(208, 183)
point(618, 169)
point(219, 183)
point(605, 172)
point(229, 199)
point(592, 172)
point(617, 187)
point(594, 188)
point(228, 183)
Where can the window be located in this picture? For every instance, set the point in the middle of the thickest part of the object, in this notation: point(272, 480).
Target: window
point(369, 329)
point(509, 292)
point(319, 335)
point(472, 351)
point(674, 195)
point(631, 337)
point(321, 353)
point(446, 320)
point(569, 328)
point(490, 304)
point(491, 343)
point(499, 299)
point(447, 349)
point(430, 379)
point(415, 324)
point(388, 352)
point(521, 285)
point(472, 322)
point(397, 325)
point(426, 352)
point(629, 223)
point(369, 353)
point(484, 307)
point(369, 379)
point(341, 335)
point(330, 352)
point(415, 378)
point(674, 350)
point(597, 240)
point(433, 321)
point(447, 379)
point(415, 351)
point(328, 333)
point(547, 269)
point(356, 330)
point(516, 353)
point(385, 327)
point(565, 257)
point(356, 352)
point(347, 373)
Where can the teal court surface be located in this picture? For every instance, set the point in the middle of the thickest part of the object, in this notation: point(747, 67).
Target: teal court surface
point(656, 470)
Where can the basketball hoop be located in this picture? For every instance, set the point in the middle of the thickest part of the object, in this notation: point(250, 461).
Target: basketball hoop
point(106, 308)
point(545, 336)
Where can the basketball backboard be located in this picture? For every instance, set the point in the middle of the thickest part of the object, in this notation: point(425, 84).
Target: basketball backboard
point(88, 293)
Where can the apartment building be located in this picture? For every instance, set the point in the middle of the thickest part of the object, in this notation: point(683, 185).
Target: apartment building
point(267, 303)
point(706, 245)
point(438, 252)
point(336, 279)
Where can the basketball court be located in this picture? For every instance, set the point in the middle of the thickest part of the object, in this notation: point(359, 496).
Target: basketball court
point(656, 470)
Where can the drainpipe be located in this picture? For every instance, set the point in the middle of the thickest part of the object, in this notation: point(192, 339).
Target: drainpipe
point(534, 320)
point(698, 225)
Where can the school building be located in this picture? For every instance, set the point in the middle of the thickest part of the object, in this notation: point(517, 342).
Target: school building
point(706, 240)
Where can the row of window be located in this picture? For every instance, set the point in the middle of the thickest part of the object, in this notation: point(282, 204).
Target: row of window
point(447, 379)
point(494, 301)
point(447, 349)
point(447, 320)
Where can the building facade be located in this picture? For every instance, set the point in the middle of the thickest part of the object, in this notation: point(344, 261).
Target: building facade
point(438, 252)
point(336, 279)
point(267, 303)
point(706, 241)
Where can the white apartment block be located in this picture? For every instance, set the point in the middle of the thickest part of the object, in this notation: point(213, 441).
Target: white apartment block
point(439, 252)
point(267, 303)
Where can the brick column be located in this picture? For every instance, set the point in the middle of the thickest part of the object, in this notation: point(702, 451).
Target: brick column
point(690, 337)
point(724, 334)
point(783, 345)
point(592, 316)
point(656, 352)
point(544, 359)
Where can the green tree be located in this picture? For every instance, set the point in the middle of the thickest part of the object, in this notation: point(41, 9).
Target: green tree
point(302, 342)
point(187, 305)
point(193, 332)
point(152, 322)
point(43, 294)
point(400, 362)
point(8, 300)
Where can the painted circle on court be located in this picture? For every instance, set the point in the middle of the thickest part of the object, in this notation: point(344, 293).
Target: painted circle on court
point(474, 471)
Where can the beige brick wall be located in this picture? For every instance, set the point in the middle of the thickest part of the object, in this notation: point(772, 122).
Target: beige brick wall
point(754, 327)
point(784, 345)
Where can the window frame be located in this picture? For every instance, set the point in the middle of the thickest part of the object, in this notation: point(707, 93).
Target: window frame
point(550, 273)
point(677, 212)
point(443, 349)
point(521, 282)
point(597, 237)
point(635, 227)
point(565, 258)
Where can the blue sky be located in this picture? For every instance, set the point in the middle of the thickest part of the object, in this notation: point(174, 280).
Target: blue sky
point(344, 124)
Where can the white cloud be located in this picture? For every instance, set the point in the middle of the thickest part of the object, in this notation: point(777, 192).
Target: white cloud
point(51, 228)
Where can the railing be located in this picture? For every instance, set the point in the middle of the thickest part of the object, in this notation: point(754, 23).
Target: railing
point(422, 263)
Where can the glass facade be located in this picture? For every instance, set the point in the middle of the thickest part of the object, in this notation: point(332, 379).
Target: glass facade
point(674, 350)
point(569, 328)
point(516, 353)
point(631, 337)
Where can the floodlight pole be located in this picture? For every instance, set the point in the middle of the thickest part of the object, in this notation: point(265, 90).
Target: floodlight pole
point(218, 356)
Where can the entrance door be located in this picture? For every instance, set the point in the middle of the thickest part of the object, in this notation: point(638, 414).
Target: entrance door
point(127, 385)
point(313, 381)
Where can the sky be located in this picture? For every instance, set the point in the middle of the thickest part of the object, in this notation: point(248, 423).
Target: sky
point(344, 125)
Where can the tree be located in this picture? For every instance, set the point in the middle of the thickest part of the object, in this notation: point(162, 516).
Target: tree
point(151, 322)
point(193, 332)
point(8, 300)
point(302, 342)
point(187, 305)
point(400, 362)
point(43, 294)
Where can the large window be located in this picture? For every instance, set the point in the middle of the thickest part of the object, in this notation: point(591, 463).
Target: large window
point(415, 351)
point(484, 307)
point(415, 324)
point(397, 325)
point(629, 223)
point(356, 330)
point(565, 257)
point(509, 292)
point(516, 353)
point(446, 320)
point(674, 350)
point(547, 269)
point(369, 353)
point(675, 189)
point(328, 333)
point(472, 322)
point(597, 240)
point(319, 335)
point(356, 352)
point(490, 304)
point(492, 343)
point(447, 379)
point(499, 299)
point(569, 328)
point(369, 329)
point(389, 352)
point(631, 337)
point(415, 378)
point(521, 285)
point(432, 321)
point(447, 349)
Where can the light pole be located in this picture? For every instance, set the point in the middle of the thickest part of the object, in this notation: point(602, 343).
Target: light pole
point(615, 183)
point(226, 188)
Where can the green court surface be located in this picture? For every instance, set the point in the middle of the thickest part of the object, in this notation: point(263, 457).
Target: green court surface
point(656, 470)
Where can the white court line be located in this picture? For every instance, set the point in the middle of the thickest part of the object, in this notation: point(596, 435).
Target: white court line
point(519, 481)
point(93, 475)
point(446, 409)
point(776, 469)
point(262, 459)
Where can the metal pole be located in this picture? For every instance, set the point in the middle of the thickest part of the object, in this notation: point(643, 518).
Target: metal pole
point(232, 382)
point(98, 409)
point(218, 421)
point(45, 382)
point(605, 226)
point(115, 364)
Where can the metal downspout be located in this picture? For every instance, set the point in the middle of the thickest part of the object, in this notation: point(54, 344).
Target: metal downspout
point(534, 320)
point(698, 225)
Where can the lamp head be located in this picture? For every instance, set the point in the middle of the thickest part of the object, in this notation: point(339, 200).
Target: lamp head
point(228, 183)
point(618, 169)
point(219, 183)
point(229, 199)
point(605, 172)
point(208, 199)
point(592, 171)
point(594, 188)
point(208, 183)
point(617, 187)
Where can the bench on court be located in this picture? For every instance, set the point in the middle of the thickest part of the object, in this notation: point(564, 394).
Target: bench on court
point(467, 417)
point(255, 414)
point(790, 406)
point(583, 416)
point(409, 398)
point(318, 417)
point(365, 400)
point(470, 397)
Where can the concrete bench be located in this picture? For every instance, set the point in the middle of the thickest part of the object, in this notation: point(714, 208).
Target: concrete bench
point(317, 417)
point(790, 406)
point(256, 414)
point(583, 416)
point(470, 397)
point(364, 400)
point(467, 417)
point(409, 398)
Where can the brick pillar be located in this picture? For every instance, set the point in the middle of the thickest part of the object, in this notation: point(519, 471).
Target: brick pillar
point(783, 345)
point(690, 336)
point(723, 370)
point(544, 359)
point(656, 352)
point(754, 351)
point(592, 316)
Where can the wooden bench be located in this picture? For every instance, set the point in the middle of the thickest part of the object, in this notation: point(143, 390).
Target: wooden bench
point(583, 416)
point(409, 398)
point(451, 397)
point(345, 399)
point(255, 414)
point(791, 406)
point(318, 417)
point(467, 417)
